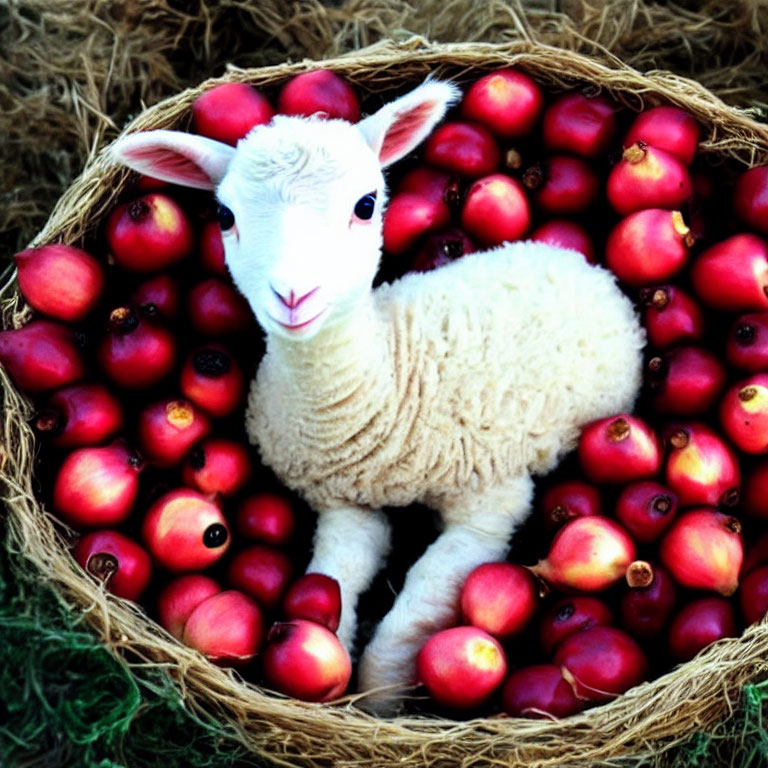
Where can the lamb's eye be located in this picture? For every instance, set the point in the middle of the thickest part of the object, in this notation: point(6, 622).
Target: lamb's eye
point(225, 217)
point(365, 205)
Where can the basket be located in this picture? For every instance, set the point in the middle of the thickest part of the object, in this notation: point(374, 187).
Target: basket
point(638, 726)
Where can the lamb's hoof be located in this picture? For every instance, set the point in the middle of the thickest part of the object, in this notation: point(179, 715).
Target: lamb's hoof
point(383, 680)
point(382, 702)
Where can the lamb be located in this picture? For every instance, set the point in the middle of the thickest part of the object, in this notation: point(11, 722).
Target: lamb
point(450, 388)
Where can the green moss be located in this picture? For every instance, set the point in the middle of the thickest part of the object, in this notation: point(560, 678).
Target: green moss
point(739, 741)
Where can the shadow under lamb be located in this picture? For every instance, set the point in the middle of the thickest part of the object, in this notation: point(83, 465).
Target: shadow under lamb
point(450, 388)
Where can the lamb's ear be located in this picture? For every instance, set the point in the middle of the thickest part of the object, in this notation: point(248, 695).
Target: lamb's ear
point(181, 158)
point(401, 125)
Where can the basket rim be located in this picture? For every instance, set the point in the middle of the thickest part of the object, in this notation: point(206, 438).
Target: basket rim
point(387, 54)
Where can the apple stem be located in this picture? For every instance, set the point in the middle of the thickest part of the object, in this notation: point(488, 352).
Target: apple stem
point(102, 565)
point(679, 439)
point(618, 430)
point(138, 210)
point(639, 574)
point(635, 153)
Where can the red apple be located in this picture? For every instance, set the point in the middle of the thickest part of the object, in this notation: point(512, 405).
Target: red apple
point(647, 177)
point(216, 309)
point(441, 248)
point(180, 597)
point(306, 661)
point(665, 127)
point(266, 517)
point(135, 352)
point(465, 148)
point(562, 185)
point(699, 624)
point(262, 572)
point(500, 598)
point(314, 597)
point(671, 316)
point(227, 112)
point(60, 281)
point(496, 210)
point(213, 380)
point(461, 667)
point(619, 449)
point(507, 102)
point(702, 549)
point(97, 487)
point(566, 234)
point(319, 92)
point(569, 615)
point(685, 381)
point(432, 184)
point(168, 429)
point(539, 691)
point(564, 501)
point(184, 531)
point(410, 216)
point(744, 414)
point(648, 246)
point(80, 415)
point(211, 249)
point(227, 627)
point(750, 198)
point(700, 467)
point(579, 124)
point(149, 234)
point(646, 509)
point(122, 564)
point(588, 554)
point(732, 275)
point(217, 465)
point(157, 298)
point(747, 345)
point(753, 594)
point(601, 662)
point(41, 356)
point(647, 609)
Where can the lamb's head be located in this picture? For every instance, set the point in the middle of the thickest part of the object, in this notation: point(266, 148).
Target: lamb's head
point(300, 202)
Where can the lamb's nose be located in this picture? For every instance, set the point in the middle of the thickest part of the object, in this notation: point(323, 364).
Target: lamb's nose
point(292, 300)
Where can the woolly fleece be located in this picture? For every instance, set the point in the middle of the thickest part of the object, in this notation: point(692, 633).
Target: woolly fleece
point(447, 384)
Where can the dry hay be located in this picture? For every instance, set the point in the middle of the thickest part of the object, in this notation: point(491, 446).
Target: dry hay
point(635, 728)
point(73, 71)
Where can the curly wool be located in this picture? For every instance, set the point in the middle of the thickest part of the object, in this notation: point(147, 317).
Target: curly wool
point(448, 383)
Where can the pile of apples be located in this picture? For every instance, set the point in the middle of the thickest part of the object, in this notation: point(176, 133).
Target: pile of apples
point(138, 358)
point(642, 535)
point(140, 351)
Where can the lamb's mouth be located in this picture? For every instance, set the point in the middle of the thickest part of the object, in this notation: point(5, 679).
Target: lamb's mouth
point(296, 327)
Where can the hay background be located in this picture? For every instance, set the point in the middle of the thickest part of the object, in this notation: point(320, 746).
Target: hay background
point(76, 71)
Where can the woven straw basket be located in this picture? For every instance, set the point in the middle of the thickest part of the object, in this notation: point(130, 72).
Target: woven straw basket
point(637, 726)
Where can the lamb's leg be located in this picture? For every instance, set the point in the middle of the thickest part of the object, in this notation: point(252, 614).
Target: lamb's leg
point(350, 545)
point(477, 530)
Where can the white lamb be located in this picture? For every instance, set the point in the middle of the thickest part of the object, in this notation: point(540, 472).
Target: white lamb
point(449, 388)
